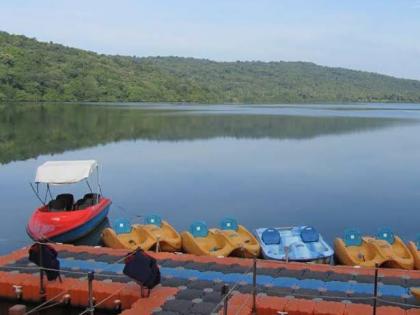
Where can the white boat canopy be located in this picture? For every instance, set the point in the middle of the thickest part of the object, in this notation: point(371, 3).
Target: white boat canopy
point(64, 172)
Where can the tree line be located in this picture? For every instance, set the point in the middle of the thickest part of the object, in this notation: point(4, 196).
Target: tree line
point(37, 71)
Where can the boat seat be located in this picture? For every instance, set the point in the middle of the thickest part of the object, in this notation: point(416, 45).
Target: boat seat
point(386, 234)
point(78, 203)
point(153, 219)
point(121, 226)
point(229, 224)
point(199, 229)
point(352, 237)
point(85, 203)
point(56, 205)
point(309, 235)
point(68, 200)
point(271, 236)
point(95, 197)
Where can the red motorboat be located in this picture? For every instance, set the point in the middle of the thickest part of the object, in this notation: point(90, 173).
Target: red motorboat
point(64, 219)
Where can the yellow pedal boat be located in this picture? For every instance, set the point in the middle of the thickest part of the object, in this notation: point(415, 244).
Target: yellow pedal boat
point(416, 293)
point(155, 234)
point(386, 250)
point(414, 248)
point(244, 243)
point(125, 236)
point(201, 241)
point(167, 238)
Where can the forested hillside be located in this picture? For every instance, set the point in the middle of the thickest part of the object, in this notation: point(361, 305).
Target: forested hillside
point(37, 71)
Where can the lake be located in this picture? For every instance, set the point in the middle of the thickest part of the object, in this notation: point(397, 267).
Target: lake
point(330, 166)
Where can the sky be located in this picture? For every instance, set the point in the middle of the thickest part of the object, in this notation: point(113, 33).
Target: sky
point(378, 36)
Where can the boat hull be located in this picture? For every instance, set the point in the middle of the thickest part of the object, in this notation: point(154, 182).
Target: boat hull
point(67, 226)
point(373, 252)
point(416, 254)
point(292, 248)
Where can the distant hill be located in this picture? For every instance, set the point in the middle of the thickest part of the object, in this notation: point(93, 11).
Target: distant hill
point(32, 70)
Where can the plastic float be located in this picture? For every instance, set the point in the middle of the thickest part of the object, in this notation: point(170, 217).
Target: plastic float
point(299, 243)
point(416, 293)
point(167, 238)
point(62, 219)
point(201, 241)
point(414, 248)
point(123, 235)
point(355, 250)
point(245, 244)
point(154, 234)
point(385, 250)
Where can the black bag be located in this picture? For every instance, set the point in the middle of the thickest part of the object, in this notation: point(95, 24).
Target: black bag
point(49, 259)
point(142, 268)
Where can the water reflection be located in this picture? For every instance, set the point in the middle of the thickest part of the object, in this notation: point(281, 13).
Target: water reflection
point(29, 130)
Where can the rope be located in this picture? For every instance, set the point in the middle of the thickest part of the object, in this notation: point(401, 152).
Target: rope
point(309, 296)
point(104, 300)
point(397, 303)
point(227, 295)
point(47, 307)
point(126, 213)
point(243, 304)
point(45, 269)
point(37, 308)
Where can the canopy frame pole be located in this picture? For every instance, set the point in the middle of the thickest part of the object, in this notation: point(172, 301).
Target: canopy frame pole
point(98, 181)
point(49, 191)
point(87, 183)
point(36, 192)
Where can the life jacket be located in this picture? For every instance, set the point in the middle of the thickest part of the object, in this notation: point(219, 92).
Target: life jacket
point(49, 260)
point(142, 268)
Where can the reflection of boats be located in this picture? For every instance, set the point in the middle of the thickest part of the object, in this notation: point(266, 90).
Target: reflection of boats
point(414, 248)
point(199, 240)
point(245, 244)
point(155, 233)
point(299, 243)
point(386, 250)
point(62, 219)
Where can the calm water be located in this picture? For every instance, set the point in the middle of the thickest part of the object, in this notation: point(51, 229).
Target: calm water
point(331, 166)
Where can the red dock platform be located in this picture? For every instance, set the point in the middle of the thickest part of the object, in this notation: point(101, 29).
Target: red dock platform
point(192, 285)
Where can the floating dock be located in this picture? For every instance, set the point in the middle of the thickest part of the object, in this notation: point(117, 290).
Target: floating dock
point(193, 284)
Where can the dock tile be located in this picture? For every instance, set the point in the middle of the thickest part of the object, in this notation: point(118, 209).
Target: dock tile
point(358, 309)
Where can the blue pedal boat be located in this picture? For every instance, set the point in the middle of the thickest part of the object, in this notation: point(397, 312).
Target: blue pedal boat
point(298, 243)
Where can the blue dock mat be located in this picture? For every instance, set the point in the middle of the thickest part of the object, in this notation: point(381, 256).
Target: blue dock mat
point(263, 280)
